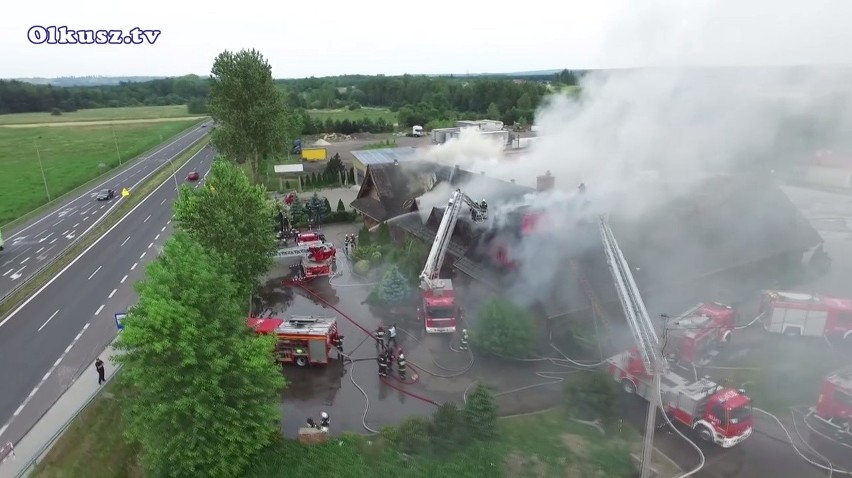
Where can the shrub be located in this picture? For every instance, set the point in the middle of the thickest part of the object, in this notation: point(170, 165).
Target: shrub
point(592, 395)
point(362, 267)
point(480, 413)
point(503, 328)
point(448, 430)
point(412, 436)
point(364, 238)
point(383, 235)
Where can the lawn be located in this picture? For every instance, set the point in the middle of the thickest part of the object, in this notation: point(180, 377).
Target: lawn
point(342, 114)
point(99, 114)
point(71, 156)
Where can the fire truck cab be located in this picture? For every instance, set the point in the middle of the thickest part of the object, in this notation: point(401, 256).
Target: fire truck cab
point(812, 315)
point(315, 257)
point(696, 335)
point(719, 415)
point(834, 406)
point(300, 340)
point(438, 310)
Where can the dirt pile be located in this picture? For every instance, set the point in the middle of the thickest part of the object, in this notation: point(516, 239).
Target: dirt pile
point(312, 436)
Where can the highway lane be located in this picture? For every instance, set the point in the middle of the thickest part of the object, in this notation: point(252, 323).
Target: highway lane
point(36, 338)
point(31, 245)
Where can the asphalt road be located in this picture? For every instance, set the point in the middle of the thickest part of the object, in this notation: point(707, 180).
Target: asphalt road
point(59, 331)
point(29, 246)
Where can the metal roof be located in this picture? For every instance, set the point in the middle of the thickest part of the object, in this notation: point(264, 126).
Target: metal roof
point(384, 156)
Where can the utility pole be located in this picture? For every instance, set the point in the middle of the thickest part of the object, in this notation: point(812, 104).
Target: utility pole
point(115, 140)
point(41, 166)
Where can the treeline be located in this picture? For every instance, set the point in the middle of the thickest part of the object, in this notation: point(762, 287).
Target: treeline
point(312, 125)
point(22, 97)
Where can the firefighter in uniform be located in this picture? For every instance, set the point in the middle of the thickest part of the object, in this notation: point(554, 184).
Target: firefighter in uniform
point(392, 335)
point(380, 339)
point(337, 341)
point(400, 363)
point(390, 357)
point(383, 365)
point(324, 422)
point(464, 339)
point(312, 424)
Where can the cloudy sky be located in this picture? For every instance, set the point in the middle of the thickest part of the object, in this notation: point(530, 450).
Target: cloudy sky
point(439, 36)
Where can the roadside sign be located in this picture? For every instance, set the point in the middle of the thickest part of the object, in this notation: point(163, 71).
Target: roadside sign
point(119, 320)
point(125, 192)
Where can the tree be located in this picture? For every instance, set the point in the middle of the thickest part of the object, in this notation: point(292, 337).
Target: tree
point(253, 121)
point(592, 395)
point(205, 391)
point(230, 216)
point(315, 207)
point(524, 102)
point(352, 175)
point(383, 235)
point(196, 106)
point(503, 329)
point(340, 206)
point(326, 207)
point(447, 430)
point(335, 169)
point(480, 413)
point(364, 239)
point(298, 214)
point(493, 111)
point(394, 287)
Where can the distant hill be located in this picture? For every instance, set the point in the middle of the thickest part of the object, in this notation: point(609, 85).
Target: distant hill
point(88, 80)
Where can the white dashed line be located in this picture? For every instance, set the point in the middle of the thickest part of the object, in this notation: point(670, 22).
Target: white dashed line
point(150, 245)
point(142, 256)
point(163, 202)
point(57, 223)
point(48, 320)
point(8, 272)
point(75, 225)
point(112, 293)
point(25, 261)
point(169, 221)
point(125, 241)
point(123, 279)
point(163, 229)
point(66, 232)
point(54, 240)
point(58, 361)
point(97, 312)
point(134, 265)
point(93, 273)
point(146, 219)
point(39, 250)
point(156, 237)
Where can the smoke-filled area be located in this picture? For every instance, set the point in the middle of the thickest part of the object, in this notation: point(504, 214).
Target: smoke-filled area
point(642, 141)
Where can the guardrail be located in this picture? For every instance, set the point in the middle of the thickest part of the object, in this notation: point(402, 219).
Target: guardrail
point(34, 461)
point(71, 244)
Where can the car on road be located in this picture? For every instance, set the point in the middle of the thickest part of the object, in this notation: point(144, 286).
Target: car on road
point(105, 195)
point(192, 176)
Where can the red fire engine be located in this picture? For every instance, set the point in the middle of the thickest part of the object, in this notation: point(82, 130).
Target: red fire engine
point(719, 415)
point(439, 311)
point(812, 315)
point(833, 411)
point(695, 336)
point(316, 256)
point(300, 340)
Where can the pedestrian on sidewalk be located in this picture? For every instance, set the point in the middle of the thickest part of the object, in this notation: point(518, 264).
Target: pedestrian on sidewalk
point(99, 366)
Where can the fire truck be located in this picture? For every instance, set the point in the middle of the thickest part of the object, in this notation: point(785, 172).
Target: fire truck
point(719, 415)
point(811, 315)
point(315, 257)
point(833, 411)
point(299, 340)
point(438, 310)
point(696, 335)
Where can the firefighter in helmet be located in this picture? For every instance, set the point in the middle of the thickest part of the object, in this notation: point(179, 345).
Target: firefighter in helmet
point(463, 340)
point(324, 422)
point(337, 341)
point(380, 338)
point(383, 365)
point(312, 424)
point(401, 364)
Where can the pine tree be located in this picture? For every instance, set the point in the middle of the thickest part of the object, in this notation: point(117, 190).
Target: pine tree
point(394, 287)
point(352, 175)
point(326, 207)
point(297, 212)
point(340, 206)
point(306, 180)
point(383, 236)
point(480, 412)
point(364, 238)
point(315, 209)
point(314, 179)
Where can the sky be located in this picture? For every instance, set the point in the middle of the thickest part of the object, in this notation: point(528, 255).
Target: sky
point(391, 37)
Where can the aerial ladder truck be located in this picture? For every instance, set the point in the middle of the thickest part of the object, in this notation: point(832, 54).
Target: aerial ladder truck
point(438, 310)
point(719, 415)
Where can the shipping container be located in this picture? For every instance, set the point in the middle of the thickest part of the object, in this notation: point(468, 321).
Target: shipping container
point(314, 154)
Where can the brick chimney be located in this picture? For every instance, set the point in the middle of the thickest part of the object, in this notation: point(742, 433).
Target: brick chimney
point(545, 183)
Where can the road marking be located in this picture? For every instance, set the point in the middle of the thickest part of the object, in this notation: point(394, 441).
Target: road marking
point(7, 272)
point(68, 348)
point(20, 409)
point(163, 229)
point(44, 238)
point(97, 312)
point(163, 201)
point(146, 219)
point(112, 293)
point(35, 390)
point(58, 223)
point(39, 250)
point(156, 237)
point(91, 246)
point(66, 232)
point(45, 376)
point(48, 320)
point(134, 265)
point(86, 218)
point(93, 273)
point(123, 279)
point(125, 241)
point(25, 260)
point(17, 274)
point(150, 245)
point(54, 240)
point(72, 235)
point(142, 256)
point(169, 221)
point(75, 225)
point(85, 212)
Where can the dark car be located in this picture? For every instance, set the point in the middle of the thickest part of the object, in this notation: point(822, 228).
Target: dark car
point(192, 176)
point(105, 195)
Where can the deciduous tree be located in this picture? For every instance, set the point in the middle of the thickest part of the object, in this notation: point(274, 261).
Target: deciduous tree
point(231, 216)
point(205, 390)
point(253, 120)
point(503, 329)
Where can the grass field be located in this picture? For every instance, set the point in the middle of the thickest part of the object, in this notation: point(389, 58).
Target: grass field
point(372, 113)
point(71, 156)
point(99, 114)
